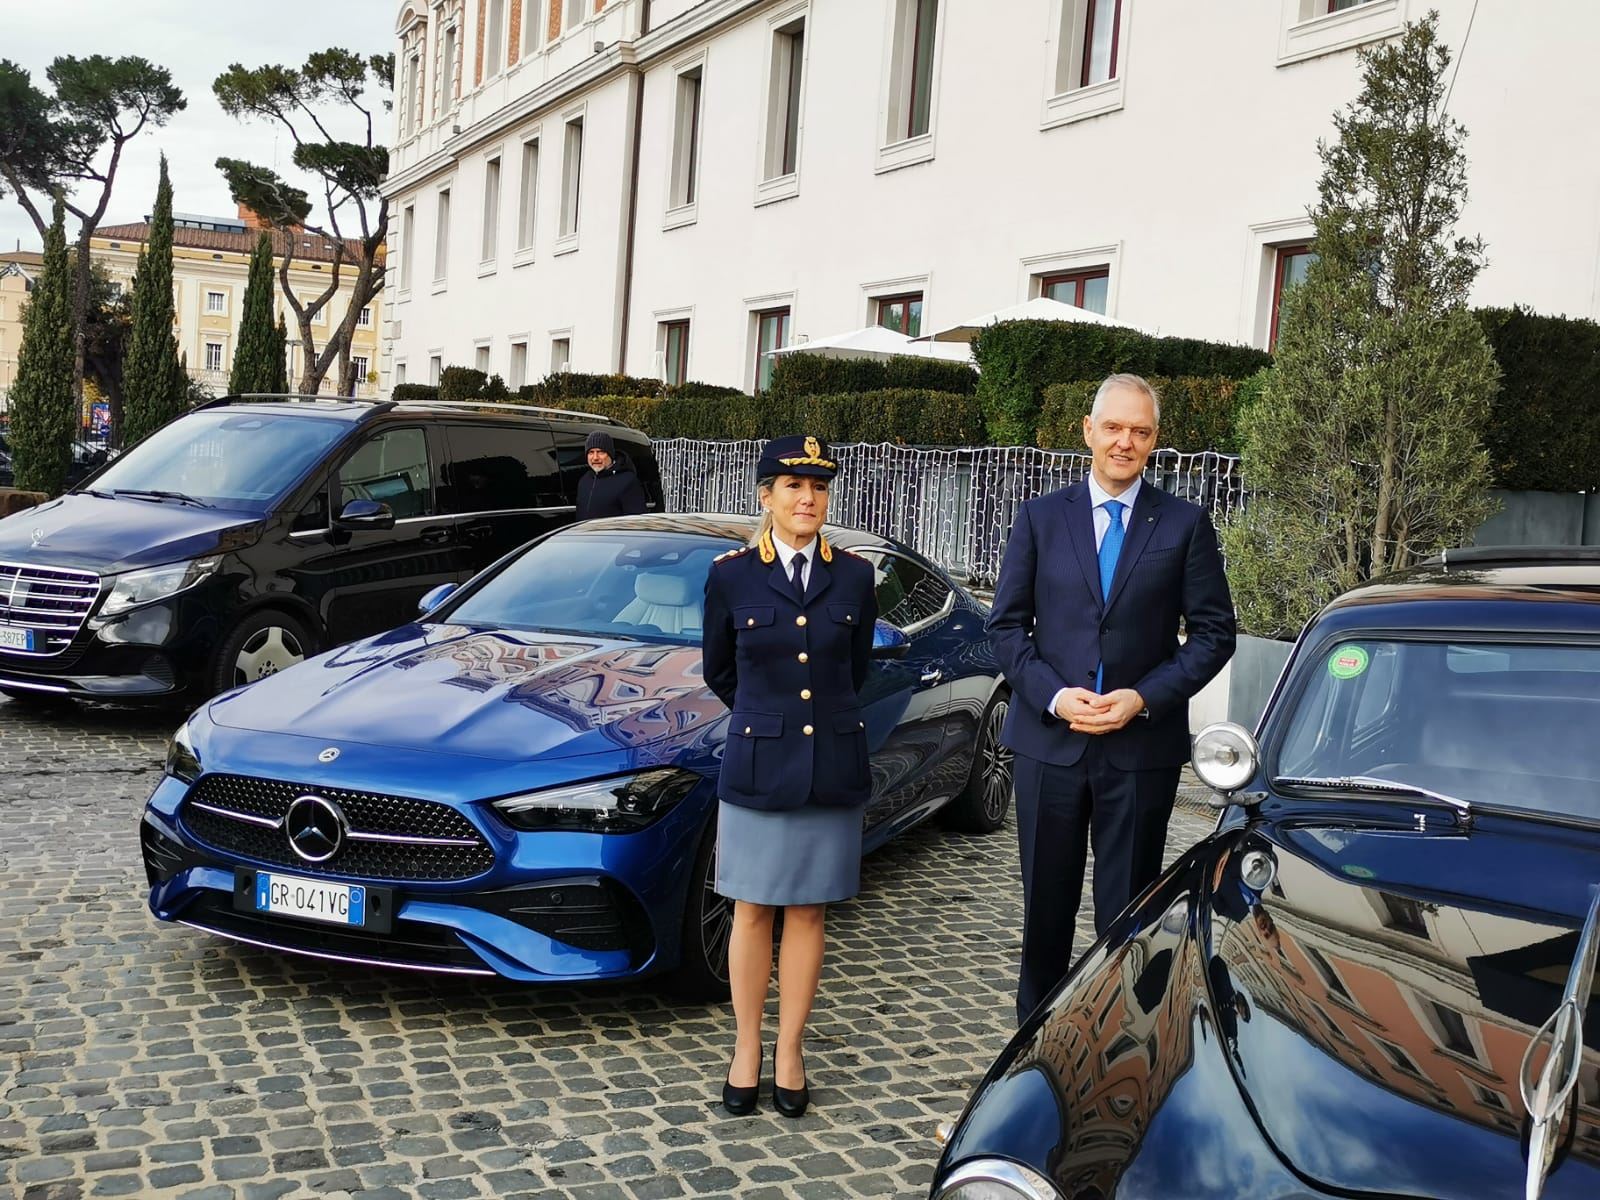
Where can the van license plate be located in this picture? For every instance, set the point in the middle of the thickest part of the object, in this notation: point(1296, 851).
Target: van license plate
point(336, 903)
point(12, 638)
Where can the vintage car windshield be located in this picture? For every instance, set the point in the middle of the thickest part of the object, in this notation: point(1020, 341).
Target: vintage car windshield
point(225, 458)
point(649, 586)
point(1502, 724)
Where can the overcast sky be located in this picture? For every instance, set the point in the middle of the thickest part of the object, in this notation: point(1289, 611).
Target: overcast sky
point(196, 40)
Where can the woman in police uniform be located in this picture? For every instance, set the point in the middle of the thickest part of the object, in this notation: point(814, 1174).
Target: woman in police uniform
point(788, 641)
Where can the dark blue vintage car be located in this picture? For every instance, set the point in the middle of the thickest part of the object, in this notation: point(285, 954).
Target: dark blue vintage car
point(1377, 977)
point(523, 783)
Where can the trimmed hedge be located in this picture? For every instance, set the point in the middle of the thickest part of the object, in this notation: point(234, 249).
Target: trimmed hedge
point(1197, 413)
point(1019, 359)
point(576, 385)
point(462, 383)
point(413, 391)
point(796, 375)
point(1544, 426)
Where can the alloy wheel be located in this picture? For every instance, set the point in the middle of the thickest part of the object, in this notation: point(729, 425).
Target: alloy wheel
point(266, 652)
point(716, 924)
point(997, 764)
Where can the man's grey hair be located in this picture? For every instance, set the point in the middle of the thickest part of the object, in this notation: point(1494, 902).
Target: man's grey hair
point(1123, 380)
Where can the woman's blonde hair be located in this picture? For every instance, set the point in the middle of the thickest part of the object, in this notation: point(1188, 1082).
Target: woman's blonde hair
point(764, 484)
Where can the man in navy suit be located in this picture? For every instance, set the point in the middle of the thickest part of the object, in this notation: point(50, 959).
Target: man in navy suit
point(1095, 582)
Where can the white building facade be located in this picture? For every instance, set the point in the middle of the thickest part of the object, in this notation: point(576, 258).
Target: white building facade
point(671, 188)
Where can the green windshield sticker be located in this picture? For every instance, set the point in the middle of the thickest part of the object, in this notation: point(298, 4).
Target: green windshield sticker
point(1348, 662)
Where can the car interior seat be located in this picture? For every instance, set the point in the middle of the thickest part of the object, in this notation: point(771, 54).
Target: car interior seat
point(670, 603)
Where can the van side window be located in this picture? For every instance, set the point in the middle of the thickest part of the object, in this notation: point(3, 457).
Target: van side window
point(499, 468)
point(392, 468)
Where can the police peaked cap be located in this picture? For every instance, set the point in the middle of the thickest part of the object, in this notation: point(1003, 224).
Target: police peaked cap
point(797, 456)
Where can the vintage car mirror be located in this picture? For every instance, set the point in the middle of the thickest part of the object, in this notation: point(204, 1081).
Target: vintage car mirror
point(889, 641)
point(434, 597)
point(366, 514)
point(1225, 758)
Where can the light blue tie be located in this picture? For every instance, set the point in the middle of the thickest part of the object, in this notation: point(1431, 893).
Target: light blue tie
point(1110, 549)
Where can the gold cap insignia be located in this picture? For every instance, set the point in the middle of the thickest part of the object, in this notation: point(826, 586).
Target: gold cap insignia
point(813, 448)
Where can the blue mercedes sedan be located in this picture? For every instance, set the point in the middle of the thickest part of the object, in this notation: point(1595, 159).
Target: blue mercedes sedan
point(523, 782)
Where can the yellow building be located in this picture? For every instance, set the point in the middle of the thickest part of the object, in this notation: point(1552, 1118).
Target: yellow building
point(210, 267)
point(18, 269)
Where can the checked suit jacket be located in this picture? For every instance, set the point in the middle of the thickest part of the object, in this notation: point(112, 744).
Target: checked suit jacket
point(1051, 627)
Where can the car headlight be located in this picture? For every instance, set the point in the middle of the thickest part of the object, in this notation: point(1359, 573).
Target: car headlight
point(182, 761)
point(619, 804)
point(996, 1179)
point(141, 587)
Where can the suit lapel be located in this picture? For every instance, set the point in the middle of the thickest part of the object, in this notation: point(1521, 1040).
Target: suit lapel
point(1080, 531)
point(1141, 524)
point(778, 579)
point(819, 580)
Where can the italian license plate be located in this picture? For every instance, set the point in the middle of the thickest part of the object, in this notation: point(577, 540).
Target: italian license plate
point(290, 896)
point(12, 638)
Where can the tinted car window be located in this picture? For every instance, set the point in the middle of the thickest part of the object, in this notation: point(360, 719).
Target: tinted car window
point(572, 460)
point(649, 586)
point(391, 468)
point(908, 593)
point(238, 460)
point(1487, 722)
point(494, 468)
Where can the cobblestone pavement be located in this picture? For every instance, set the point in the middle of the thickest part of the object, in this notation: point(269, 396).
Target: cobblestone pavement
point(139, 1060)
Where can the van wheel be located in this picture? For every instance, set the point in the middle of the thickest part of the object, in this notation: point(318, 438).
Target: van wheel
point(262, 644)
point(983, 803)
point(702, 972)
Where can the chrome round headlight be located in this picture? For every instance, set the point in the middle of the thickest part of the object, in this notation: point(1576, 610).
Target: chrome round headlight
point(995, 1179)
point(1225, 756)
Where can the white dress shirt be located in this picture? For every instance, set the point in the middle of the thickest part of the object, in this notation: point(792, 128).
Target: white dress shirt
point(786, 555)
point(1102, 522)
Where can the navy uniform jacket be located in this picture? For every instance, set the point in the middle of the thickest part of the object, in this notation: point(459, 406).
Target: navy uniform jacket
point(1169, 568)
point(792, 674)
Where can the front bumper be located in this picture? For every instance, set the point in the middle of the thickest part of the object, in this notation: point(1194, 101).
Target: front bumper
point(554, 907)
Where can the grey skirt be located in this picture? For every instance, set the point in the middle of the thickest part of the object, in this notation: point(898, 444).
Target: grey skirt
point(807, 855)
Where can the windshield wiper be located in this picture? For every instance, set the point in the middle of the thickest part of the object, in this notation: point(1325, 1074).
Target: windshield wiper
point(96, 492)
point(1367, 783)
point(1548, 1095)
point(158, 494)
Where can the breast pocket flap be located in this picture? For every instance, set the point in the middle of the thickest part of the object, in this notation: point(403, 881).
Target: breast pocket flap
point(845, 614)
point(756, 725)
point(752, 616)
point(848, 722)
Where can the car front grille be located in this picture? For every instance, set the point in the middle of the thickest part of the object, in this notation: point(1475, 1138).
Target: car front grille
point(389, 837)
point(52, 601)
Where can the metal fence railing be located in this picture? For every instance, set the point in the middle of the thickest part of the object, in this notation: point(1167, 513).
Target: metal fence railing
point(954, 505)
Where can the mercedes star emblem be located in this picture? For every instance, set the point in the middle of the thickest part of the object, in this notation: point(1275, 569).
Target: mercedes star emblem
point(328, 755)
point(316, 828)
point(38, 536)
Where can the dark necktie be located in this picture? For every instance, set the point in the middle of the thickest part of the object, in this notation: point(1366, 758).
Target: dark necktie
point(797, 576)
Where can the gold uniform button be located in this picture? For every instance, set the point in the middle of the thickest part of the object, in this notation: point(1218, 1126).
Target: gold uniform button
point(806, 731)
point(800, 620)
point(805, 693)
point(747, 731)
point(750, 621)
point(804, 657)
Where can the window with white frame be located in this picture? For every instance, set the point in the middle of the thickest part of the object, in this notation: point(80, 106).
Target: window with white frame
point(519, 365)
point(408, 93)
point(216, 302)
point(560, 354)
point(686, 139)
point(1089, 288)
point(213, 356)
point(495, 29)
point(435, 369)
point(535, 14)
point(448, 51)
point(358, 372)
point(408, 244)
point(576, 11)
point(783, 100)
point(674, 351)
point(481, 359)
point(572, 174)
point(399, 373)
point(364, 317)
point(491, 209)
point(772, 333)
point(1309, 28)
point(528, 195)
point(1089, 43)
point(911, 76)
point(441, 238)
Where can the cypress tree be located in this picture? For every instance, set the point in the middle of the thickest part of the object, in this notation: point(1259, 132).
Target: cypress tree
point(280, 359)
point(253, 358)
point(154, 383)
point(43, 406)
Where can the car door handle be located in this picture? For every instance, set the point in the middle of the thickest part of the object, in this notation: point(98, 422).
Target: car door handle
point(435, 535)
point(932, 675)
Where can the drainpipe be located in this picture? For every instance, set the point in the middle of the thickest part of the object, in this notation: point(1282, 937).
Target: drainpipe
point(636, 79)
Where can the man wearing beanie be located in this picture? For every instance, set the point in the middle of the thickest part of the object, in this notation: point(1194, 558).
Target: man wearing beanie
point(609, 488)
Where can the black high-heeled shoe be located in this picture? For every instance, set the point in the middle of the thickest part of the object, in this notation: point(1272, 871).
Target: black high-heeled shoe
point(741, 1101)
point(791, 1102)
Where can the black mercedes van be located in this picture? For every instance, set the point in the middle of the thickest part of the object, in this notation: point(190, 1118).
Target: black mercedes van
point(255, 531)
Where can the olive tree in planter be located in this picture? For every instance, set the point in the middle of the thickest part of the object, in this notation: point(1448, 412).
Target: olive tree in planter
point(1364, 451)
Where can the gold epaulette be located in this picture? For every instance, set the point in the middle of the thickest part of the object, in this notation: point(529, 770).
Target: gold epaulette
point(734, 553)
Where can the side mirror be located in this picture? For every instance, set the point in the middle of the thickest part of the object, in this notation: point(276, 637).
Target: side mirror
point(1225, 758)
point(434, 597)
point(366, 514)
point(889, 641)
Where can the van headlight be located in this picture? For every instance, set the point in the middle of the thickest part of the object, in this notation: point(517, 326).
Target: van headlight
point(995, 1179)
point(182, 761)
point(619, 804)
point(141, 587)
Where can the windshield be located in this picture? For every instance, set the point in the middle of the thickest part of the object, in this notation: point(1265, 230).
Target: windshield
point(237, 460)
point(1504, 724)
point(649, 586)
